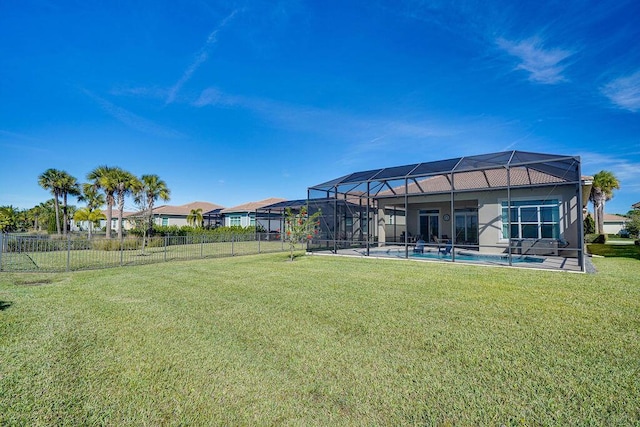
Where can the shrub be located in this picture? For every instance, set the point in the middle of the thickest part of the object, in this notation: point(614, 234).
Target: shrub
point(114, 244)
point(595, 238)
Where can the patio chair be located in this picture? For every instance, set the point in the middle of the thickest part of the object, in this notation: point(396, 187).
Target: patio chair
point(419, 248)
point(446, 250)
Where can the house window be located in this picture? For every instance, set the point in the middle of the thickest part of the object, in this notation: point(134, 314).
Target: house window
point(165, 221)
point(531, 219)
point(235, 221)
point(466, 222)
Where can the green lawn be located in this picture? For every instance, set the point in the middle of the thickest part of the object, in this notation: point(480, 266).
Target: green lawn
point(85, 259)
point(258, 340)
point(614, 250)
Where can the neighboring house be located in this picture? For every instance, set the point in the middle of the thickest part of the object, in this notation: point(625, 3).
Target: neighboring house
point(487, 203)
point(126, 225)
point(245, 215)
point(615, 224)
point(165, 215)
point(636, 205)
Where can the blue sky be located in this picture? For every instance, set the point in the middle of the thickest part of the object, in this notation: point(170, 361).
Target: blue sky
point(235, 101)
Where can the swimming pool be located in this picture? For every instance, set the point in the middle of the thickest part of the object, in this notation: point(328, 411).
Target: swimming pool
point(460, 256)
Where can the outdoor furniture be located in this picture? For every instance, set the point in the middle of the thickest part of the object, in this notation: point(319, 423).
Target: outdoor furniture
point(419, 248)
point(446, 250)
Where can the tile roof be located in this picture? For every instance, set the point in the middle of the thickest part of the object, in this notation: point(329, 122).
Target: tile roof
point(615, 218)
point(475, 180)
point(252, 206)
point(186, 209)
point(114, 213)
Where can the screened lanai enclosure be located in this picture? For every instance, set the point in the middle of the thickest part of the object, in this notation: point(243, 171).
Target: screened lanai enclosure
point(510, 208)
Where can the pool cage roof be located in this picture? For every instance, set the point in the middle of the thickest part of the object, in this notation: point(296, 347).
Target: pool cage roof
point(506, 169)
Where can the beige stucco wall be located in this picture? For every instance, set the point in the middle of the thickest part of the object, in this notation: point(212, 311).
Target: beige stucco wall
point(489, 212)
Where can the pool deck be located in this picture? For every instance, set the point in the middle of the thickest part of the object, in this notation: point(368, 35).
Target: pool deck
point(555, 263)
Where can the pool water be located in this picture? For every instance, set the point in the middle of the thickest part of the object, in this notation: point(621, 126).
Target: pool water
point(460, 256)
point(501, 259)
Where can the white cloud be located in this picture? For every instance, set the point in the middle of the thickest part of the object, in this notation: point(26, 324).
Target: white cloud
point(133, 120)
point(543, 65)
point(624, 169)
point(201, 57)
point(624, 92)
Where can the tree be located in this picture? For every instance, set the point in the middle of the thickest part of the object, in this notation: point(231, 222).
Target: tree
point(34, 216)
point(91, 196)
point(8, 219)
point(589, 225)
point(92, 213)
point(67, 185)
point(126, 183)
point(94, 200)
point(152, 189)
point(300, 227)
point(195, 218)
point(51, 180)
point(633, 225)
point(92, 216)
point(604, 182)
point(103, 178)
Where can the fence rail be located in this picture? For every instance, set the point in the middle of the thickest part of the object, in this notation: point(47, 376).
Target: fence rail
point(27, 253)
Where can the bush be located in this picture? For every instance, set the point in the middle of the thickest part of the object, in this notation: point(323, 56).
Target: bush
point(589, 225)
point(595, 238)
point(114, 244)
point(186, 230)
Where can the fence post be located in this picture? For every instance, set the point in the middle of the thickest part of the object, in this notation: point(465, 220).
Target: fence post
point(165, 248)
point(259, 242)
point(232, 245)
point(68, 251)
point(121, 251)
point(202, 246)
point(1, 248)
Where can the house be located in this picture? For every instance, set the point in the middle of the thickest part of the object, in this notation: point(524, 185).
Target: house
point(511, 202)
point(636, 205)
point(126, 225)
point(615, 224)
point(165, 215)
point(244, 215)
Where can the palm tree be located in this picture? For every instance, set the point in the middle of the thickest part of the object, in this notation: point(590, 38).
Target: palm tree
point(94, 200)
point(67, 185)
point(91, 196)
point(51, 180)
point(8, 218)
point(152, 189)
point(126, 183)
point(103, 179)
point(34, 215)
point(91, 215)
point(604, 182)
point(195, 218)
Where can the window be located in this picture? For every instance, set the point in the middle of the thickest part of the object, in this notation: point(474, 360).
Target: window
point(466, 226)
point(165, 221)
point(235, 221)
point(531, 219)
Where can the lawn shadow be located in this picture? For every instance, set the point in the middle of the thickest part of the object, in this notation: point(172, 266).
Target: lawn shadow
point(4, 305)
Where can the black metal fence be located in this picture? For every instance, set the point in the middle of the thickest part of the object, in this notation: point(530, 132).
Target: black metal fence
point(43, 253)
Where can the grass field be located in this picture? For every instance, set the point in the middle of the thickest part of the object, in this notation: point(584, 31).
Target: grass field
point(259, 340)
point(85, 259)
point(614, 250)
